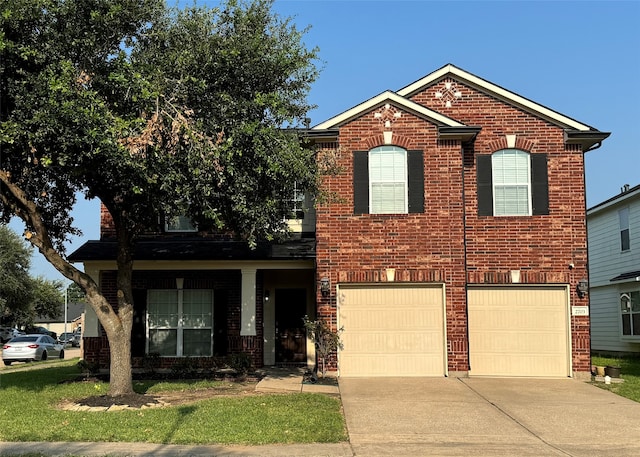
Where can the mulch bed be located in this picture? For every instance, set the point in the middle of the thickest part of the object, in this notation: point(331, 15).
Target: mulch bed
point(242, 384)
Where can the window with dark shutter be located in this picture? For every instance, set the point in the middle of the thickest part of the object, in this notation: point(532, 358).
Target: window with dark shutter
point(415, 165)
point(485, 185)
point(508, 179)
point(539, 184)
point(360, 182)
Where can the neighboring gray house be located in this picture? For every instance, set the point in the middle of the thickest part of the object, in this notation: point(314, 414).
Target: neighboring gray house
point(614, 272)
point(74, 319)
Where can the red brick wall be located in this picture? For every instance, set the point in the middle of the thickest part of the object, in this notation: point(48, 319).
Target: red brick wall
point(107, 227)
point(431, 246)
point(425, 247)
point(97, 349)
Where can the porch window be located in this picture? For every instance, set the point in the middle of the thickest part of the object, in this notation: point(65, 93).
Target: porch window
point(180, 322)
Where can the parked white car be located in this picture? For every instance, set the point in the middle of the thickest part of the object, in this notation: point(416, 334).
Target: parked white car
point(26, 348)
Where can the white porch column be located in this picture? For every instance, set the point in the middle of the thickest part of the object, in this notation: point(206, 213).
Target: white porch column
point(248, 299)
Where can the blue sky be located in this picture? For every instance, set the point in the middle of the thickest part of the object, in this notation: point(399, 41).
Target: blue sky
point(580, 58)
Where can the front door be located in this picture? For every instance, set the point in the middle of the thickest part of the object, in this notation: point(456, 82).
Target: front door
point(291, 337)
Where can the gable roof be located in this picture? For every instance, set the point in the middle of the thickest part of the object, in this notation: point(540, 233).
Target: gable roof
point(392, 98)
point(575, 132)
point(498, 92)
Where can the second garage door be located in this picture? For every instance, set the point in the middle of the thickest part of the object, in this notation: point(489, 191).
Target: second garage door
point(391, 330)
point(519, 331)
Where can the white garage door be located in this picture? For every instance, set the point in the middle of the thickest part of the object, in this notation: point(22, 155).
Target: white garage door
point(519, 331)
point(391, 330)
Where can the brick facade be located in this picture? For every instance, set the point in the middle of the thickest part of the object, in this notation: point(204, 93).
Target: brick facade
point(450, 243)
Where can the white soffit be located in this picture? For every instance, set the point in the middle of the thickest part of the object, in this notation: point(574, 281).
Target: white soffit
point(495, 90)
point(390, 97)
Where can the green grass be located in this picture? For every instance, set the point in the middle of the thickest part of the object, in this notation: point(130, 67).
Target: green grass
point(630, 372)
point(29, 413)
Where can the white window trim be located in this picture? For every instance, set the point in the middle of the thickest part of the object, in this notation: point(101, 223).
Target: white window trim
point(623, 228)
point(623, 290)
point(529, 185)
point(169, 230)
point(405, 182)
point(179, 329)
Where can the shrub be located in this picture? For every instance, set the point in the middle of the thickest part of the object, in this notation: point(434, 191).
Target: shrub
point(240, 362)
point(325, 339)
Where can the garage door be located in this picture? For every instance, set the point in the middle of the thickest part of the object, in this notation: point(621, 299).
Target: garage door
point(519, 331)
point(391, 330)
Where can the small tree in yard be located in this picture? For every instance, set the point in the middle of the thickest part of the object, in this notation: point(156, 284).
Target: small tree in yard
point(153, 111)
point(325, 339)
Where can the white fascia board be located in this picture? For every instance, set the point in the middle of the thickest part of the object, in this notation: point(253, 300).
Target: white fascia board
point(495, 90)
point(617, 200)
point(397, 101)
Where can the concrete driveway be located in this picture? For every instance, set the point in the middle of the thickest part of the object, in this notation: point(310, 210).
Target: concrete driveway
point(490, 417)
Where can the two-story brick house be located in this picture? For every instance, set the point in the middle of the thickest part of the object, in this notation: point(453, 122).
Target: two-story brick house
point(460, 238)
point(453, 245)
point(614, 272)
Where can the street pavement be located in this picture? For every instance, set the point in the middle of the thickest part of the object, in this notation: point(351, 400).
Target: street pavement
point(433, 417)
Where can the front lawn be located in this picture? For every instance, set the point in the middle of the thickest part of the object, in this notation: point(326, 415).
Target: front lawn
point(30, 412)
point(630, 372)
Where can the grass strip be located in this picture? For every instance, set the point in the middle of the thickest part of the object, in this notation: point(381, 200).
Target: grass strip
point(629, 371)
point(30, 413)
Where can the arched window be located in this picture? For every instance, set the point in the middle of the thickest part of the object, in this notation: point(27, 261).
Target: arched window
point(388, 180)
point(511, 172)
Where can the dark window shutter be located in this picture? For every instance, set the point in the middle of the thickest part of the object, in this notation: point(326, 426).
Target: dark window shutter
point(415, 178)
point(539, 184)
point(485, 185)
point(138, 331)
point(360, 182)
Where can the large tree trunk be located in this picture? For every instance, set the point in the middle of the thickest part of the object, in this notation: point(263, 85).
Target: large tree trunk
point(120, 379)
point(118, 330)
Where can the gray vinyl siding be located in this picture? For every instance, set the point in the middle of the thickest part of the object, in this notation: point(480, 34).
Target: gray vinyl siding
point(605, 322)
point(606, 261)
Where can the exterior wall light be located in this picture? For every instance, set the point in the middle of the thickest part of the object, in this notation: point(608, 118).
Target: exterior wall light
point(267, 295)
point(582, 288)
point(325, 287)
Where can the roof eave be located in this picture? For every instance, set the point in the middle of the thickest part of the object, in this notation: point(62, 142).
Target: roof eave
point(464, 134)
point(588, 139)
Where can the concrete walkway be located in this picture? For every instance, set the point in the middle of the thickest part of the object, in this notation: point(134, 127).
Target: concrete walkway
point(291, 380)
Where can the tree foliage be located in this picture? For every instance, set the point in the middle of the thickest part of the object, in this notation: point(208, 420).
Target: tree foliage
point(23, 297)
point(153, 111)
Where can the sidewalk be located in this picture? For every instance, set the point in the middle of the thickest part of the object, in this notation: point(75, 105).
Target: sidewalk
point(276, 380)
point(172, 450)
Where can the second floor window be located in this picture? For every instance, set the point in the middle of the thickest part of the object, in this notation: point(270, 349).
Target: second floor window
point(179, 224)
point(512, 182)
point(511, 173)
point(625, 242)
point(296, 204)
point(388, 180)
